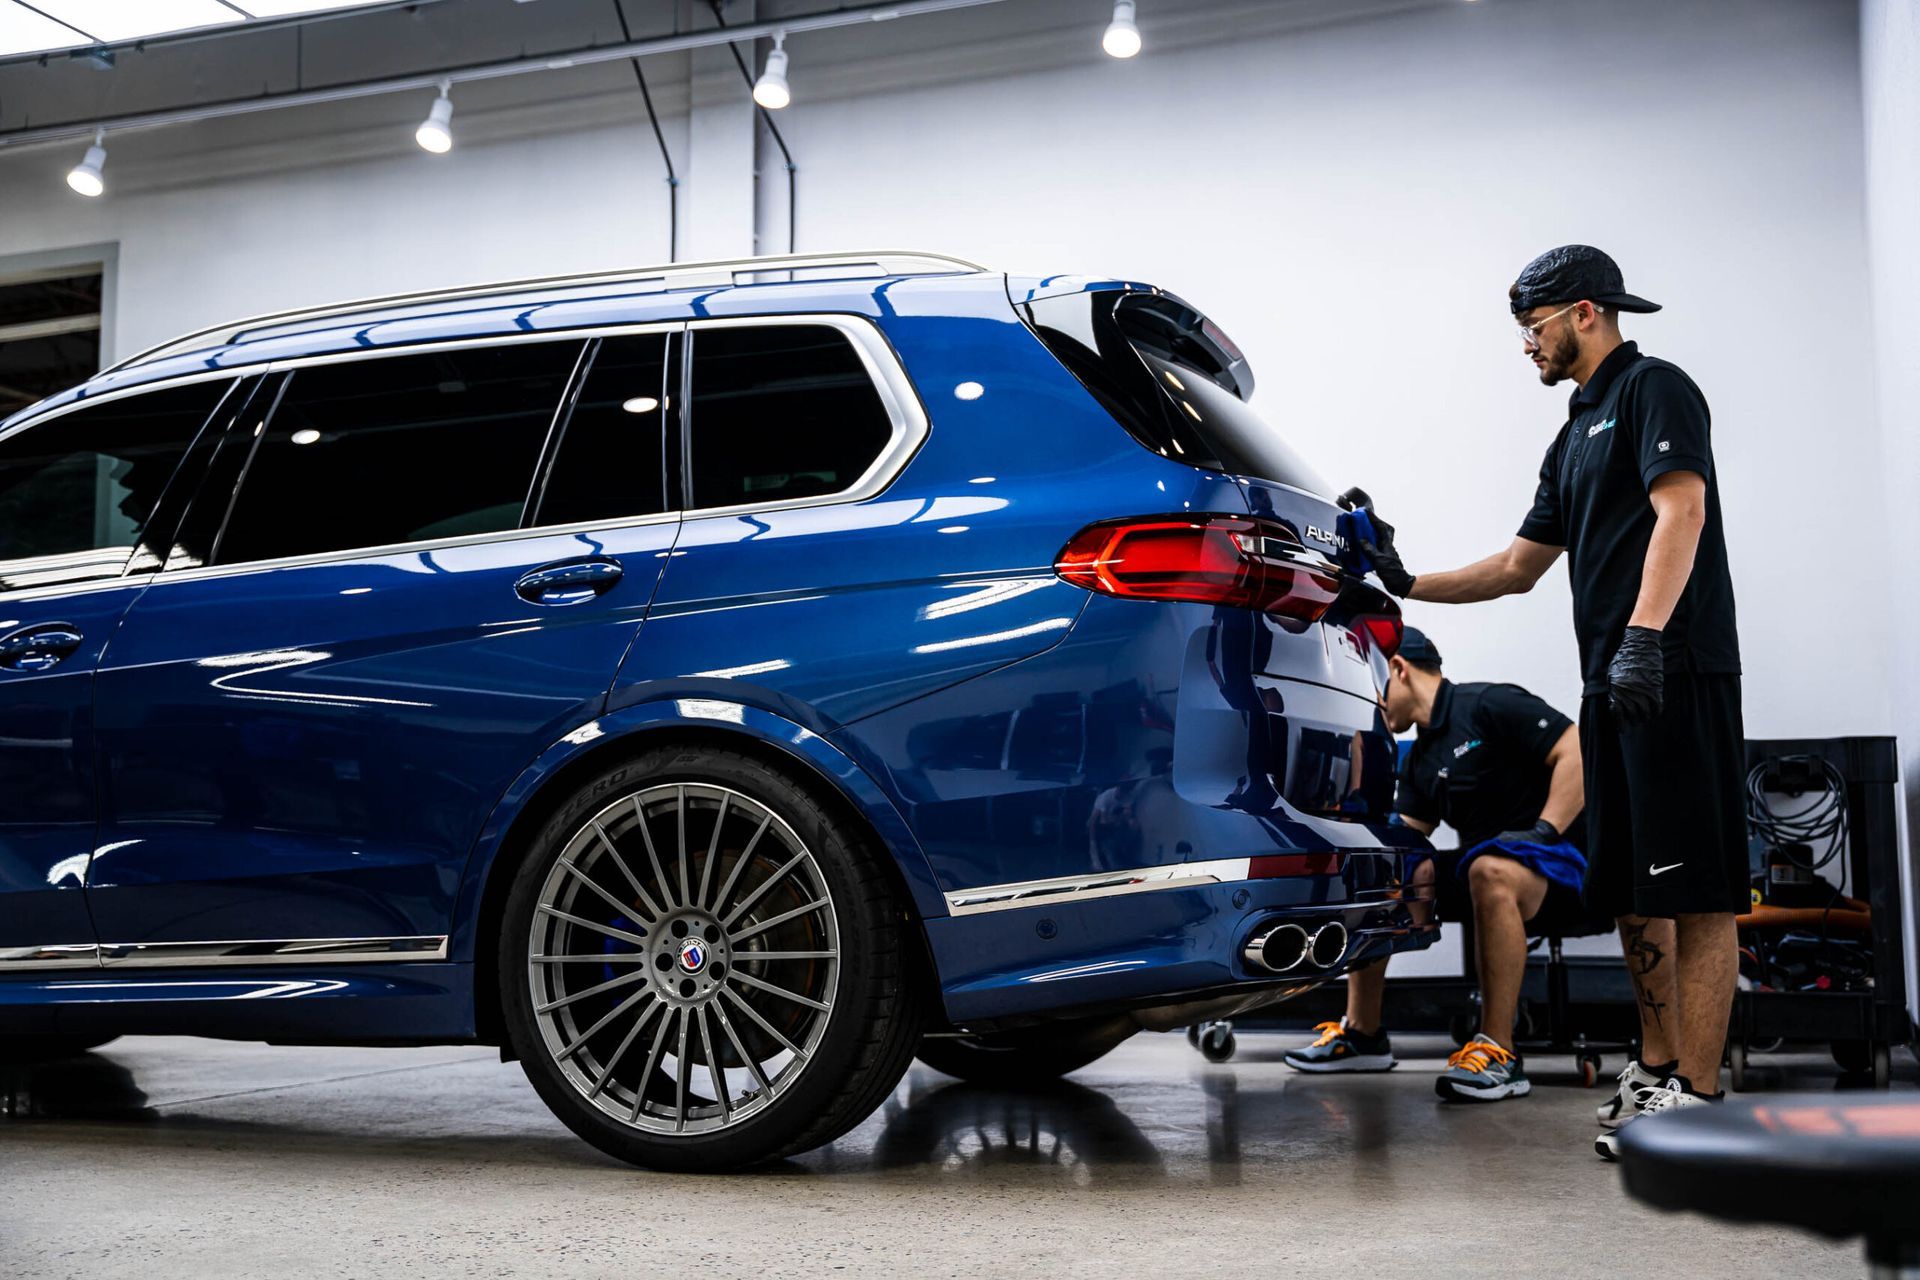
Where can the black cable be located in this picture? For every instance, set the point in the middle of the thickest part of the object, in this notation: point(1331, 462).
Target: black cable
point(793, 200)
point(666, 157)
point(1823, 821)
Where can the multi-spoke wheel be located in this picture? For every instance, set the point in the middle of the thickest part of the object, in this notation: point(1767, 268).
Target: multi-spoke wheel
point(702, 967)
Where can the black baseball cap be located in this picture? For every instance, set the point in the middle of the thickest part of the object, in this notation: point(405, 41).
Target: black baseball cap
point(1415, 647)
point(1571, 273)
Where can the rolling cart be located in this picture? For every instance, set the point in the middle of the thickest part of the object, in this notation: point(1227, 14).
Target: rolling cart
point(1826, 949)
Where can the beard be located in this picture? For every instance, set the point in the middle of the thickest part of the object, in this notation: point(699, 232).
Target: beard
point(1558, 354)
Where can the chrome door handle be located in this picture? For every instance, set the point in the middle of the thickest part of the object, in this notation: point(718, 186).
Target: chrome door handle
point(569, 581)
point(39, 647)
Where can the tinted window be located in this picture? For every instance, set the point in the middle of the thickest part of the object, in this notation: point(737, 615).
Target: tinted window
point(1172, 379)
point(781, 412)
point(77, 491)
point(399, 449)
point(610, 464)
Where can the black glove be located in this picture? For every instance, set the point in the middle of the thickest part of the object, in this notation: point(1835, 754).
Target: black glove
point(1541, 832)
point(1637, 677)
point(1385, 560)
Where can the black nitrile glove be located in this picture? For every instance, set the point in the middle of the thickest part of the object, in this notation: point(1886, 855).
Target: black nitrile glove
point(1541, 832)
point(1380, 552)
point(1637, 677)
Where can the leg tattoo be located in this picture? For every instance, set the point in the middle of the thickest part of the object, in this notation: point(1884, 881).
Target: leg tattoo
point(1643, 957)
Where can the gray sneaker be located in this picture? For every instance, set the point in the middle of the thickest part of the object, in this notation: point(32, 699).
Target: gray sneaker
point(1341, 1048)
point(1481, 1071)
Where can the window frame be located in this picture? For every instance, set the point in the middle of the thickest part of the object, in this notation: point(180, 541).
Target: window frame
point(906, 416)
point(216, 422)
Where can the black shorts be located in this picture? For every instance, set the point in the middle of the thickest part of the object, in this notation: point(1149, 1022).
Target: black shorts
point(1666, 802)
point(1561, 912)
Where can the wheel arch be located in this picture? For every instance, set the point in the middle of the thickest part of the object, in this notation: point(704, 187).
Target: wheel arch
point(752, 731)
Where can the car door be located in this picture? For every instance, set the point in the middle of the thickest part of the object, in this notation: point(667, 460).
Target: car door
point(428, 571)
point(79, 488)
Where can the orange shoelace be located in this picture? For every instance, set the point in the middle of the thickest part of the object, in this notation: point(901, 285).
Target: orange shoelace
point(1329, 1032)
point(1477, 1055)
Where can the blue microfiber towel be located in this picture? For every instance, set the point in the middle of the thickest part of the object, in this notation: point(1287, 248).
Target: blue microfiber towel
point(1560, 863)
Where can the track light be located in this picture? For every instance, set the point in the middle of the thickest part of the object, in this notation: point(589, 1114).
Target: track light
point(1122, 39)
point(435, 133)
point(770, 90)
point(86, 177)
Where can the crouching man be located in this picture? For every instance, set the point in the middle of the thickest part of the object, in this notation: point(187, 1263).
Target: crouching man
point(1503, 769)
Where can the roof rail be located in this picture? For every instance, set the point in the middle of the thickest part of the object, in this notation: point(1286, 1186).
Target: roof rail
point(677, 275)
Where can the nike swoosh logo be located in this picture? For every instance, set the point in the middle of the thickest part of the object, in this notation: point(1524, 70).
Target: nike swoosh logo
point(1654, 871)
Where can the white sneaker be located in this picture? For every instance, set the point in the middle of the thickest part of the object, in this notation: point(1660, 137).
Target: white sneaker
point(1671, 1096)
point(1636, 1083)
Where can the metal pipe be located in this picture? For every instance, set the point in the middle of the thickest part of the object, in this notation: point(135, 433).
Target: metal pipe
point(558, 61)
point(1329, 945)
point(1278, 950)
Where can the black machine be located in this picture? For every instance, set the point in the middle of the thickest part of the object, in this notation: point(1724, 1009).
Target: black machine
point(1824, 950)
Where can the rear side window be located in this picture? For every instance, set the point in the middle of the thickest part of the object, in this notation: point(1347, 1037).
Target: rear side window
point(610, 463)
point(780, 412)
point(369, 453)
point(77, 492)
point(1170, 377)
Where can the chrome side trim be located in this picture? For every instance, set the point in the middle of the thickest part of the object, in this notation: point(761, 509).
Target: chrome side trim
point(200, 955)
point(78, 956)
point(1108, 884)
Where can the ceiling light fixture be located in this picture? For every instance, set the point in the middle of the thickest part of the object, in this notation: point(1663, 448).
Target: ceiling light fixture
point(770, 90)
point(1122, 39)
point(640, 404)
point(86, 177)
point(435, 133)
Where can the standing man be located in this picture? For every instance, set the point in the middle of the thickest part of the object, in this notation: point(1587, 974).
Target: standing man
point(1629, 491)
point(1502, 768)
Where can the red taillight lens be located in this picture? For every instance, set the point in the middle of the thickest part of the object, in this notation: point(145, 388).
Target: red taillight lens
point(1205, 559)
point(1385, 632)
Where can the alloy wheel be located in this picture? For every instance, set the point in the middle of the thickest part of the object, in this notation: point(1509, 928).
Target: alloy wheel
point(684, 957)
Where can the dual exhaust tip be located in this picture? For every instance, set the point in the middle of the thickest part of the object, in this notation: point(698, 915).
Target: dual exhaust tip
point(1287, 947)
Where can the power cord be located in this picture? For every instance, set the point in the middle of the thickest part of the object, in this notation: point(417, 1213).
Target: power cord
point(666, 157)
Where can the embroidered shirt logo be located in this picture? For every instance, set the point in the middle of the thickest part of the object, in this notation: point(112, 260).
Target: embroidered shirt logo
point(1465, 747)
point(1598, 427)
point(1665, 445)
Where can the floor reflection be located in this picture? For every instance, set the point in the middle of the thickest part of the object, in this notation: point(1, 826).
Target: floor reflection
point(966, 1128)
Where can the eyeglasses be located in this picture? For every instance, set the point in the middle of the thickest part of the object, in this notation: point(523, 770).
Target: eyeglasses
point(1530, 333)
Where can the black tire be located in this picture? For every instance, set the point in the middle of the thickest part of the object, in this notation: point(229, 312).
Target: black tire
point(1028, 1056)
point(1855, 1057)
point(867, 1039)
point(16, 1050)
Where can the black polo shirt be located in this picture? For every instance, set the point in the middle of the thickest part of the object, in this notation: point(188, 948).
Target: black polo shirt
point(1636, 419)
point(1480, 763)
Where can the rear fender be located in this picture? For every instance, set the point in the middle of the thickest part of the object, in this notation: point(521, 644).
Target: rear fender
point(709, 714)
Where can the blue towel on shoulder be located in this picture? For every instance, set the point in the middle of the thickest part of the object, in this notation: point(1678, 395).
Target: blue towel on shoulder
point(1560, 863)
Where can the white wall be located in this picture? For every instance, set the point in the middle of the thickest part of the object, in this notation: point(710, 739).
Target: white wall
point(1350, 201)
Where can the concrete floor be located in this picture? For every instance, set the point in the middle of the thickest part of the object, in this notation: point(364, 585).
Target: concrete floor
point(168, 1158)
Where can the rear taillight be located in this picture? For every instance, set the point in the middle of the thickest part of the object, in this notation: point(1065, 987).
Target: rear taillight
point(1203, 559)
point(1385, 631)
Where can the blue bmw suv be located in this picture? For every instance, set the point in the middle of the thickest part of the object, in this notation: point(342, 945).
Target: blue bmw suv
point(714, 685)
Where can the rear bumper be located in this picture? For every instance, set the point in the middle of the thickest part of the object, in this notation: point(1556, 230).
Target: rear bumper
point(1013, 954)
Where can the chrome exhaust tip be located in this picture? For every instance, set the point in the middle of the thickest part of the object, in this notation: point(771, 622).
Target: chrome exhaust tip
point(1277, 950)
point(1328, 946)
